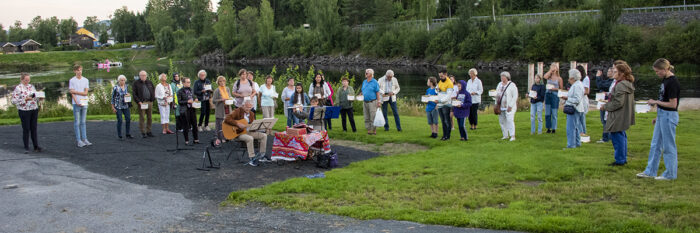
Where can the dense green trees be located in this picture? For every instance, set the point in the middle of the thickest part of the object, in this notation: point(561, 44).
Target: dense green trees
point(3, 34)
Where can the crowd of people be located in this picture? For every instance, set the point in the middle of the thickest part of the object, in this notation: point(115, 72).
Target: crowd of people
point(453, 98)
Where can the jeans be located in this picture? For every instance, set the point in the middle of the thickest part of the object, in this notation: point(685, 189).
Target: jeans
point(664, 143)
point(79, 115)
point(291, 119)
point(29, 119)
point(573, 133)
point(474, 114)
point(444, 113)
point(327, 124)
point(350, 115)
point(582, 123)
point(204, 113)
point(551, 108)
point(462, 130)
point(536, 117)
point(619, 141)
point(393, 111)
point(127, 116)
point(606, 136)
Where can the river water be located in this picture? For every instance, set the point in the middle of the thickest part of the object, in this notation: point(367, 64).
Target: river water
point(412, 80)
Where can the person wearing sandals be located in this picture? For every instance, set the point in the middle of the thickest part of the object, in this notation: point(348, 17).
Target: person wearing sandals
point(163, 94)
point(221, 108)
point(121, 107)
point(188, 115)
point(24, 97)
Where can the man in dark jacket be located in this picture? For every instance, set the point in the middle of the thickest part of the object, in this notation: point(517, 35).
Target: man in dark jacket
point(144, 95)
point(202, 90)
point(603, 84)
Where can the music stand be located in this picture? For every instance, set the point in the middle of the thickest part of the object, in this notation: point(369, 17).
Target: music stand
point(177, 142)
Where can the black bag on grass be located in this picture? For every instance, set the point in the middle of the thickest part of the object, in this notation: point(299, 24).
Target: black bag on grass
point(327, 160)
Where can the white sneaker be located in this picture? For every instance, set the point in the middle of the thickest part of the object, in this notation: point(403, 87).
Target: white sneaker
point(206, 128)
point(81, 144)
point(512, 139)
point(504, 138)
point(87, 143)
point(199, 128)
point(642, 175)
point(600, 141)
point(661, 178)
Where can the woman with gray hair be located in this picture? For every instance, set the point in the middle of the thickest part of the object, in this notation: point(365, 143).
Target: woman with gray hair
point(164, 95)
point(121, 107)
point(475, 89)
point(507, 100)
point(574, 108)
point(203, 91)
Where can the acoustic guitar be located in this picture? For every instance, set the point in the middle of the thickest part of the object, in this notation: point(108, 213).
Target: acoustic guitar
point(233, 131)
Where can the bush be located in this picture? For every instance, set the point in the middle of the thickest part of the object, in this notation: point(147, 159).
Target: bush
point(205, 44)
point(414, 43)
point(578, 49)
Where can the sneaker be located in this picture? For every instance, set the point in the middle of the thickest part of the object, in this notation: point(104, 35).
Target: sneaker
point(512, 139)
point(87, 143)
point(642, 175)
point(81, 144)
point(143, 135)
point(150, 134)
point(600, 141)
point(199, 128)
point(265, 160)
point(129, 136)
point(504, 138)
point(554, 131)
point(661, 178)
point(38, 150)
point(252, 163)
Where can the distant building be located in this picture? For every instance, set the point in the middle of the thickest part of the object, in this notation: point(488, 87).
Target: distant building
point(26, 46)
point(83, 38)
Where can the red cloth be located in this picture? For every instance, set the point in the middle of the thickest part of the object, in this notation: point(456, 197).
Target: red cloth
point(289, 147)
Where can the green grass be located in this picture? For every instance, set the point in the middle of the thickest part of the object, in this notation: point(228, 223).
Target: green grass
point(68, 58)
point(527, 185)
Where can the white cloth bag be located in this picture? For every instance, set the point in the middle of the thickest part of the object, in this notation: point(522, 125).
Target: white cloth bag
point(379, 118)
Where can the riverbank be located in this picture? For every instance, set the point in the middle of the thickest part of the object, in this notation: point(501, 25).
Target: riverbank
point(58, 59)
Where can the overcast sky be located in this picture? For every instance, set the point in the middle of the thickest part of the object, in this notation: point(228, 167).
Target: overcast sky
point(26, 10)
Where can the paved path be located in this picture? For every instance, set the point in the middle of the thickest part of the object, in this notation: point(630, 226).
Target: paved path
point(136, 186)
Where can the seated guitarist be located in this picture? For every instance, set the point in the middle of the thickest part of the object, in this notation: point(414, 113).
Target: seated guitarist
point(244, 112)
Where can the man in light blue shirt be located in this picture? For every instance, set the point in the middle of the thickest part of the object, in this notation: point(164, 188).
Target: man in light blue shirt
point(370, 93)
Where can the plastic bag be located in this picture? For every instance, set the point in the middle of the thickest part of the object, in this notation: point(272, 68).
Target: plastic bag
point(379, 118)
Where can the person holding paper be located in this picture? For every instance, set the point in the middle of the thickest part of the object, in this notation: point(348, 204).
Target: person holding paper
point(267, 98)
point(475, 89)
point(603, 83)
point(164, 95)
point(144, 95)
point(188, 115)
point(536, 104)
point(508, 94)
point(299, 98)
point(221, 109)
point(79, 86)
point(287, 94)
point(256, 91)
point(445, 89)
point(24, 97)
point(389, 88)
point(249, 116)
point(175, 86)
point(121, 107)
point(663, 141)
point(370, 93)
point(430, 107)
point(315, 118)
point(243, 88)
point(346, 110)
point(203, 91)
point(587, 88)
point(575, 99)
point(320, 90)
point(551, 99)
point(620, 110)
point(461, 111)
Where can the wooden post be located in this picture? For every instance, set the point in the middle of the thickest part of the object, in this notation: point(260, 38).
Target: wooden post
point(540, 68)
point(585, 67)
point(530, 75)
point(573, 66)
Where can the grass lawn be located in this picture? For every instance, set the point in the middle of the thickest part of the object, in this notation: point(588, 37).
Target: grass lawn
point(68, 58)
point(527, 185)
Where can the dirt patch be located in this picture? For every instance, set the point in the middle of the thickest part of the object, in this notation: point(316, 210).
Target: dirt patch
point(532, 183)
point(386, 149)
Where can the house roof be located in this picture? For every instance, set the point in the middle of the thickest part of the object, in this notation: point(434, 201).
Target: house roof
point(3, 44)
point(22, 43)
point(83, 31)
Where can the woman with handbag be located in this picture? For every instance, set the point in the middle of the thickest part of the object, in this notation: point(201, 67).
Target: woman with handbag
point(506, 105)
point(574, 108)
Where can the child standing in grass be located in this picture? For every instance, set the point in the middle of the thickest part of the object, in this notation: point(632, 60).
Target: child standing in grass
point(430, 108)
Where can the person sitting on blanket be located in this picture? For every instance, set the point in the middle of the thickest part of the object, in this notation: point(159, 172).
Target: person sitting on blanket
point(316, 121)
point(245, 112)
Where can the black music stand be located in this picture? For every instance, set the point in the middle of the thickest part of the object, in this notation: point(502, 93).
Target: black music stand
point(177, 143)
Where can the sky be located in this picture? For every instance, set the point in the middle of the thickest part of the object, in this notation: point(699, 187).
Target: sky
point(26, 10)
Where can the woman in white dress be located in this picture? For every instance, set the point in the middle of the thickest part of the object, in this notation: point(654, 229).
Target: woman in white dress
point(164, 95)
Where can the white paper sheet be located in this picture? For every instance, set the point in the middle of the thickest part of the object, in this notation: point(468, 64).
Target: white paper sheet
point(563, 94)
point(127, 99)
point(360, 98)
point(533, 94)
point(39, 94)
point(83, 102)
point(144, 106)
point(228, 102)
point(197, 104)
point(351, 97)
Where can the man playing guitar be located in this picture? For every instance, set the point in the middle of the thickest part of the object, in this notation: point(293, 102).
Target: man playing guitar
point(239, 119)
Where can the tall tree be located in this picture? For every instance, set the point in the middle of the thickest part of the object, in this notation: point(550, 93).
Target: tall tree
point(201, 18)
point(46, 32)
point(325, 19)
point(67, 27)
point(225, 26)
point(383, 11)
point(90, 24)
point(3, 34)
point(123, 25)
point(165, 42)
point(17, 33)
point(266, 27)
point(157, 15)
point(356, 11)
point(428, 10)
point(181, 11)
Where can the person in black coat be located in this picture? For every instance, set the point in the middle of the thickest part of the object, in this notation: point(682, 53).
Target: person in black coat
point(144, 95)
point(188, 116)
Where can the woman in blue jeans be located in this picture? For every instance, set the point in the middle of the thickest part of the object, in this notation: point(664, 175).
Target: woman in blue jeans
point(551, 102)
point(574, 99)
point(121, 107)
point(536, 105)
point(664, 140)
point(462, 111)
point(620, 110)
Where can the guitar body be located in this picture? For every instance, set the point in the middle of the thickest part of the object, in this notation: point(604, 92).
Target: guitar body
point(232, 131)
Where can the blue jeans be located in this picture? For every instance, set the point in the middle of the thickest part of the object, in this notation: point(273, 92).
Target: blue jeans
point(664, 143)
point(619, 141)
point(606, 136)
point(127, 116)
point(582, 123)
point(551, 108)
point(536, 111)
point(444, 113)
point(291, 120)
point(79, 115)
point(573, 135)
point(393, 111)
point(462, 130)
